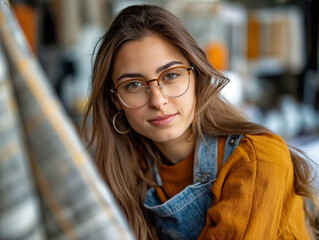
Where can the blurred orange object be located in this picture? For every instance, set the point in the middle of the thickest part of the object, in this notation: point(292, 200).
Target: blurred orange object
point(28, 20)
point(217, 55)
point(253, 38)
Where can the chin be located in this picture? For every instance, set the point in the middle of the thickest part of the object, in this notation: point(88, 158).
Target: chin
point(164, 137)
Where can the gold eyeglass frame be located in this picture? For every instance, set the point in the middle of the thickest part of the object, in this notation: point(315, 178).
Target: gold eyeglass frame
point(152, 80)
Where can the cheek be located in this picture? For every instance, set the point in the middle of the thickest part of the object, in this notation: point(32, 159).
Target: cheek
point(134, 117)
point(190, 98)
point(191, 104)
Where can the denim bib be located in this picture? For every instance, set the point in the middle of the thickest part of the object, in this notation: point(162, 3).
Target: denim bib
point(184, 215)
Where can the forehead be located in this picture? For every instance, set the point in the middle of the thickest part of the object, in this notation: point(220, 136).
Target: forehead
point(145, 56)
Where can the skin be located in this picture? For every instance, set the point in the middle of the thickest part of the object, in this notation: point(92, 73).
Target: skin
point(145, 57)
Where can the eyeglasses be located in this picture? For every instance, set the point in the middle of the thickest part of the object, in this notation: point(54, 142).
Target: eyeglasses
point(173, 82)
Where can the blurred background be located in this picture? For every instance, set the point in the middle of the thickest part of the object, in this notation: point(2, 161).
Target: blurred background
point(268, 49)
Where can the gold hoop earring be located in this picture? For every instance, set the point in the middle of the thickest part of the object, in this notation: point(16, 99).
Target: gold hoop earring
point(114, 124)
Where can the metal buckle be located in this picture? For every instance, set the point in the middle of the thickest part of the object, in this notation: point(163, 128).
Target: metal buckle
point(202, 177)
point(233, 141)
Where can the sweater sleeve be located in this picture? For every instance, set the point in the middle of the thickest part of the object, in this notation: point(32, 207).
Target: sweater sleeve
point(250, 191)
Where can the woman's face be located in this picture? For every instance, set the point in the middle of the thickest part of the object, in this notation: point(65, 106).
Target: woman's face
point(162, 118)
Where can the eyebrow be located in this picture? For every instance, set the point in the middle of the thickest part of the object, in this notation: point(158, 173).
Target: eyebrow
point(158, 70)
point(162, 68)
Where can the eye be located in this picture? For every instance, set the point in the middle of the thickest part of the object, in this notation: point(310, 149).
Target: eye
point(133, 85)
point(170, 76)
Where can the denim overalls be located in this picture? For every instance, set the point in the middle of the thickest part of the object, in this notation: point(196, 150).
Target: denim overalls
point(184, 215)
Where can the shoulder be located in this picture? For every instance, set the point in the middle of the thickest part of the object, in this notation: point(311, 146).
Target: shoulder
point(262, 148)
point(266, 146)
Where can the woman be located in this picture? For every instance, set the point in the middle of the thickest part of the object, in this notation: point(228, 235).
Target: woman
point(181, 161)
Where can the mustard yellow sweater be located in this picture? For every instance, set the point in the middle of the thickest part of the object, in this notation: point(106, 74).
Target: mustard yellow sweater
point(254, 194)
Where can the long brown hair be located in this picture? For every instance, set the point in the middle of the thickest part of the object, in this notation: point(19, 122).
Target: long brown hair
point(118, 156)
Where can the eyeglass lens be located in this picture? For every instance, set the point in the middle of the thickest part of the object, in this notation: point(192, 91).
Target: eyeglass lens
point(173, 83)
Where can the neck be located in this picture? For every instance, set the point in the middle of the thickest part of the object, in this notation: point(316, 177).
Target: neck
point(178, 149)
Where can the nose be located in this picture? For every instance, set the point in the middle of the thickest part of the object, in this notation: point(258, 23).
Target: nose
point(157, 99)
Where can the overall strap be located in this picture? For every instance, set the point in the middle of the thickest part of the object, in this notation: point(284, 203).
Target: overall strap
point(232, 142)
point(156, 175)
point(205, 161)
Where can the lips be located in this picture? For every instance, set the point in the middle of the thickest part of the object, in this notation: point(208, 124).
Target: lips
point(162, 120)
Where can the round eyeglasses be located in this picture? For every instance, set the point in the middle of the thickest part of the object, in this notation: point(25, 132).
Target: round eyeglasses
point(173, 82)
